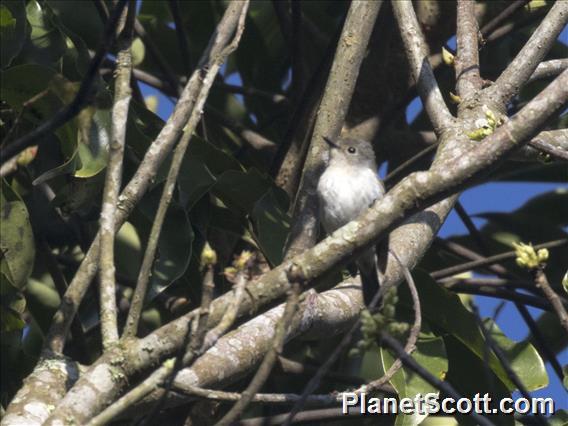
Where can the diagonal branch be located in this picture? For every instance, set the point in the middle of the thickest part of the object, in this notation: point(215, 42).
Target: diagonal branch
point(122, 96)
point(79, 101)
point(417, 53)
point(533, 52)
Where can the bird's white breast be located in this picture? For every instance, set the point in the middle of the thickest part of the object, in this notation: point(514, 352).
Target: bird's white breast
point(344, 193)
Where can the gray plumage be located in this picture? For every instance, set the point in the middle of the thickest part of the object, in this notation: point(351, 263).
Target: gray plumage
point(347, 188)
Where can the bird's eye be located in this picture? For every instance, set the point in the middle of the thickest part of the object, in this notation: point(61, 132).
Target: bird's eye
point(351, 150)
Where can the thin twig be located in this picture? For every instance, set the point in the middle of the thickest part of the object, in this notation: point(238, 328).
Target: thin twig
point(140, 391)
point(410, 345)
point(502, 16)
point(411, 364)
point(468, 81)
point(122, 96)
point(79, 101)
point(548, 69)
point(453, 270)
point(169, 186)
point(181, 35)
point(271, 356)
point(487, 334)
point(266, 398)
point(417, 53)
point(533, 52)
point(553, 151)
point(539, 341)
point(198, 327)
point(541, 282)
point(396, 172)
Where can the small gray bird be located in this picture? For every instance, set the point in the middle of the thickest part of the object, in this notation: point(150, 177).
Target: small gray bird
point(347, 188)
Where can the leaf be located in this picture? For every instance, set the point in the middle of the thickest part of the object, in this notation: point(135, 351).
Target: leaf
point(46, 44)
point(445, 311)
point(174, 245)
point(271, 225)
point(13, 29)
point(430, 353)
point(16, 239)
point(195, 181)
point(470, 375)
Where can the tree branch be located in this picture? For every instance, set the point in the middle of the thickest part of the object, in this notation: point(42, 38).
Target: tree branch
point(122, 96)
point(417, 53)
point(333, 109)
point(533, 52)
point(468, 81)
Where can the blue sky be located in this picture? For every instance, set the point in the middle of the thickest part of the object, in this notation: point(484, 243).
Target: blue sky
point(501, 197)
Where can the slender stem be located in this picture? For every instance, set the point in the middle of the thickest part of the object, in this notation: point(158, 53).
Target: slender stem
point(502, 16)
point(151, 383)
point(411, 364)
point(489, 341)
point(453, 270)
point(122, 96)
point(467, 59)
point(169, 186)
point(533, 52)
point(410, 345)
point(270, 358)
point(79, 101)
point(417, 53)
point(181, 35)
point(541, 282)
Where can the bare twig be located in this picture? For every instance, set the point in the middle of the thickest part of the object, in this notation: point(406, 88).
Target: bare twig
point(79, 101)
point(487, 334)
point(396, 172)
point(542, 143)
point(145, 174)
point(453, 270)
point(122, 96)
point(532, 53)
point(333, 109)
point(411, 364)
point(502, 16)
point(156, 379)
point(181, 35)
point(417, 53)
point(169, 186)
point(548, 69)
point(272, 355)
point(266, 398)
point(541, 282)
point(468, 81)
point(410, 345)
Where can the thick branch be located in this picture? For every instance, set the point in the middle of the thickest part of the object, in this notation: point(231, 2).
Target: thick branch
point(467, 59)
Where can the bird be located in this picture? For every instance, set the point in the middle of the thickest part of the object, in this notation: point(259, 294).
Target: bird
point(346, 188)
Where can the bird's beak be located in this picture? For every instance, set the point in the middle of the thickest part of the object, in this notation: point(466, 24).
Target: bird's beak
point(330, 142)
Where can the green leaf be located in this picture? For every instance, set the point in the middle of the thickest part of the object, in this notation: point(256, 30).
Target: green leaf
point(559, 418)
point(46, 44)
point(430, 353)
point(175, 243)
point(471, 375)
point(195, 181)
point(16, 239)
point(445, 311)
point(271, 225)
point(13, 29)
